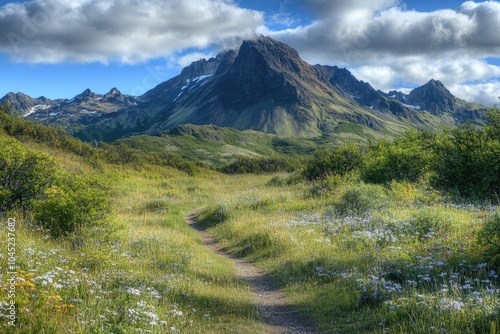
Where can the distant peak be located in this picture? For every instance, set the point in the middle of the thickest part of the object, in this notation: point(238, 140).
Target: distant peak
point(269, 47)
point(87, 93)
point(114, 91)
point(435, 83)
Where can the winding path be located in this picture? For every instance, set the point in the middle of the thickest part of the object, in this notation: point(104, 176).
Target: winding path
point(271, 303)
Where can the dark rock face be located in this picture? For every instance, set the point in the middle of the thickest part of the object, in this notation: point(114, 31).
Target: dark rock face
point(433, 97)
point(359, 90)
point(265, 70)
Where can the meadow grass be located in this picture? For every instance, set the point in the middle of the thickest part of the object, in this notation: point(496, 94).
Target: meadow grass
point(356, 258)
point(364, 258)
point(152, 275)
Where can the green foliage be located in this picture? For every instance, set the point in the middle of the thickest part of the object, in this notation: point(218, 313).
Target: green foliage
point(274, 164)
point(172, 160)
point(489, 238)
point(341, 161)
point(24, 174)
point(408, 158)
point(5, 108)
point(493, 128)
point(360, 200)
point(74, 201)
point(468, 162)
point(119, 153)
point(215, 215)
point(429, 222)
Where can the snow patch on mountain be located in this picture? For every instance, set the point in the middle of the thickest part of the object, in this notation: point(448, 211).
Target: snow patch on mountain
point(36, 108)
point(412, 106)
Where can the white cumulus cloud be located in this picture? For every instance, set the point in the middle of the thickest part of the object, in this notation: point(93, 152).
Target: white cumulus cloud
point(384, 43)
point(127, 31)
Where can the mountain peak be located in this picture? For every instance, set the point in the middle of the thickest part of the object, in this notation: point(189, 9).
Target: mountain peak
point(86, 93)
point(270, 49)
point(433, 97)
point(266, 70)
point(434, 83)
point(114, 92)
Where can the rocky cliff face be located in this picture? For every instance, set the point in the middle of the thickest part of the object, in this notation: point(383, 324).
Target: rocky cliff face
point(433, 97)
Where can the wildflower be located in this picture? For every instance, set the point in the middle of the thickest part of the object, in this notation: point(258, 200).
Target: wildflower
point(447, 304)
point(134, 291)
point(177, 313)
point(151, 315)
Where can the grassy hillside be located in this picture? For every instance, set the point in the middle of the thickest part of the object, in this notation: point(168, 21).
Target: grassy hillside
point(217, 146)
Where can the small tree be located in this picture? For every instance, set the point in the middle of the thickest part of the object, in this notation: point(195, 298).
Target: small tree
point(24, 174)
point(337, 161)
point(469, 160)
point(74, 202)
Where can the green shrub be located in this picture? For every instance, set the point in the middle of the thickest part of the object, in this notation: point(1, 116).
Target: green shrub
point(489, 239)
point(215, 215)
point(469, 163)
point(360, 200)
point(408, 158)
point(74, 201)
point(281, 181)
point(277, 181)
point(171, 160)
point(337, 161)
point(429, 222)
point(24, 174)
point(244, 165)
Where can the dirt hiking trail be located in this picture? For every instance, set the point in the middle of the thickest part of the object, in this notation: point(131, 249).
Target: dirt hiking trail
point(273, 308)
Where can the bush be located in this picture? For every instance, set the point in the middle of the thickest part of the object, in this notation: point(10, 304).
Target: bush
point(281, 180)
point(72, 203)
point(338, 161)
point(360, 199)
point(215, 215)
point(244, 165)
point(171, 160)
point(489, 239)
point(408, 158)
point(24, 174)
point(468, 162)
point(429, 222)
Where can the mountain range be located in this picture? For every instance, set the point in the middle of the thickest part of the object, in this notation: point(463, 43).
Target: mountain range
point(263, 86)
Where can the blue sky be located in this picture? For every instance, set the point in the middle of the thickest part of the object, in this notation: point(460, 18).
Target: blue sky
point(58, 48)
